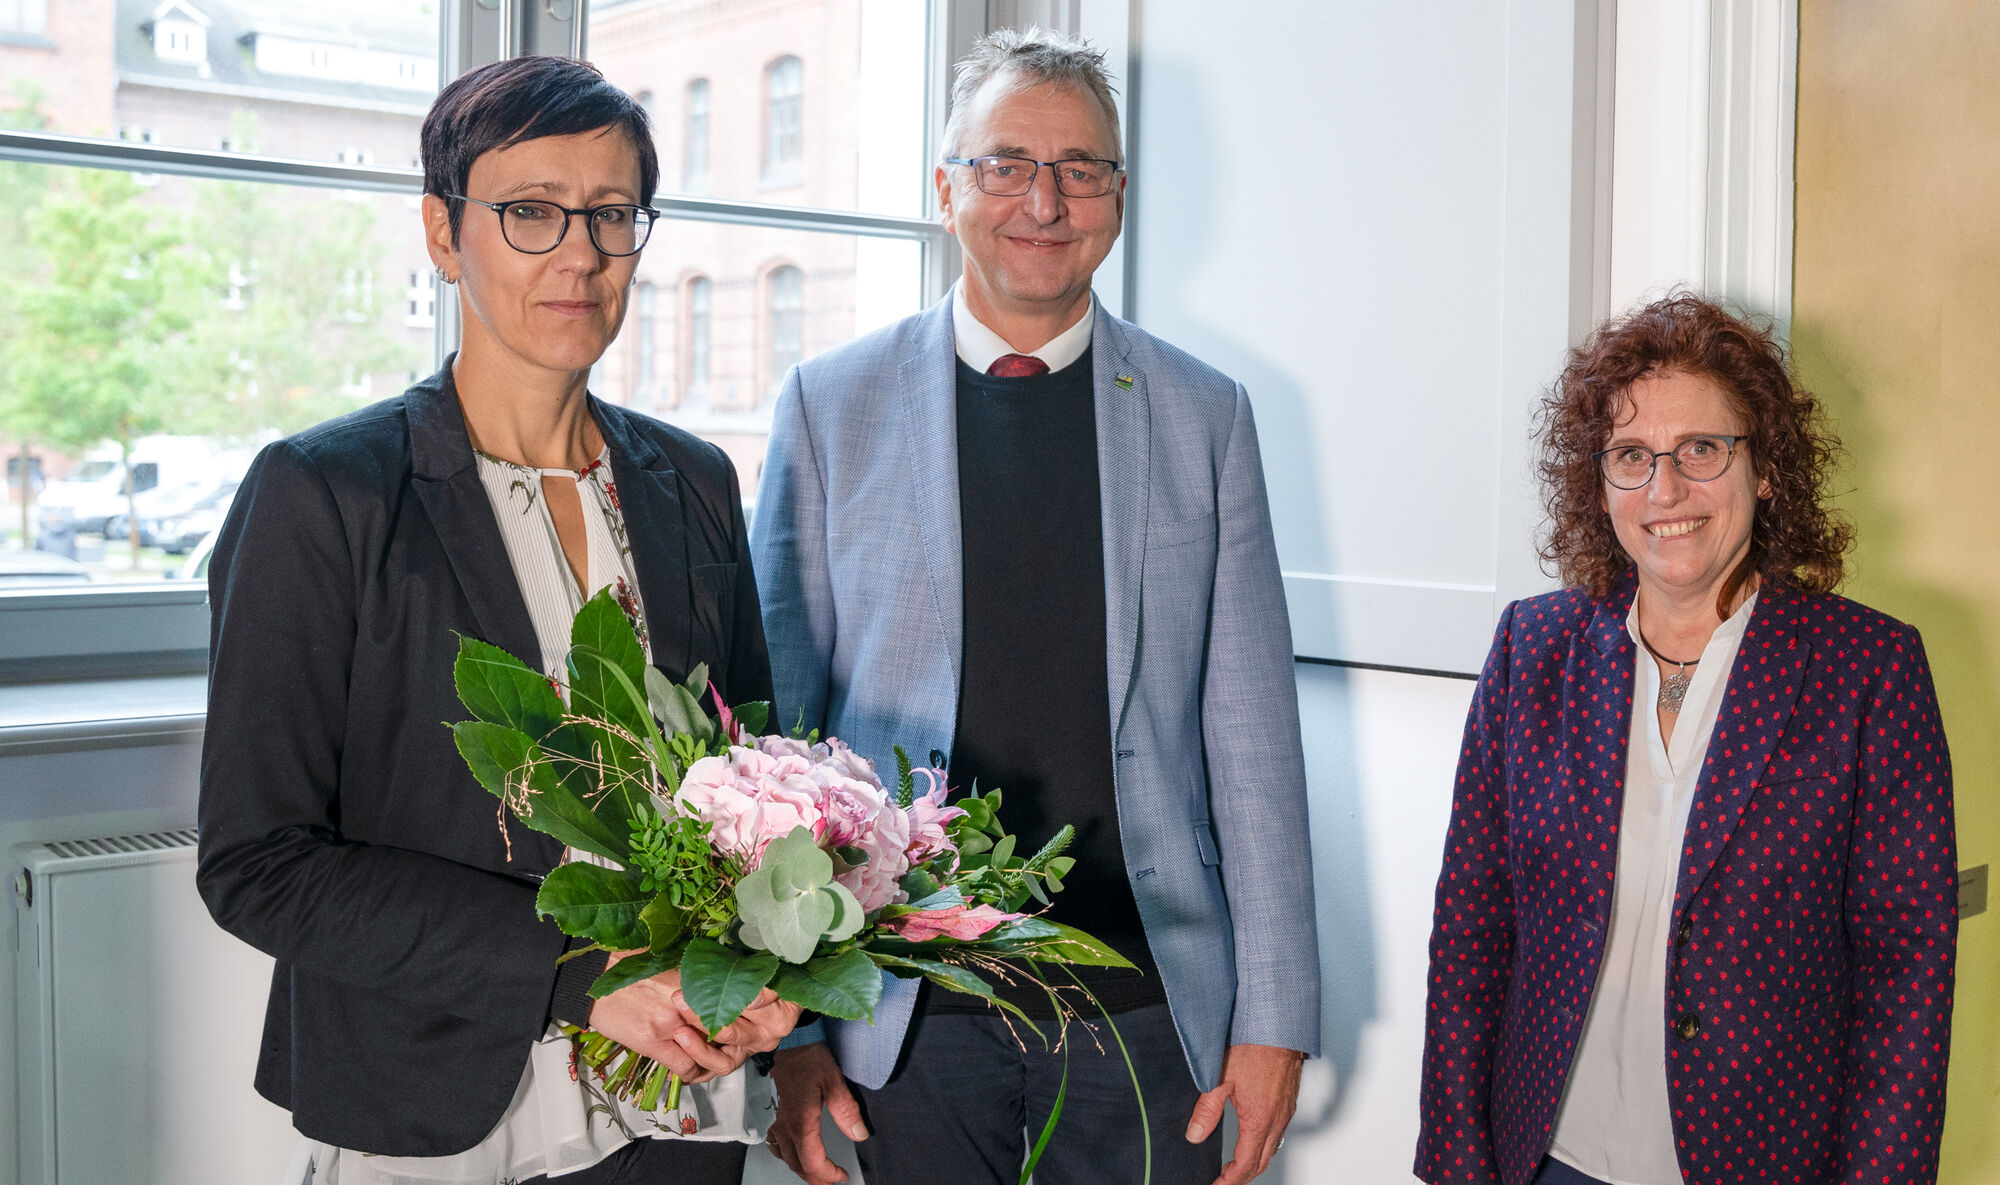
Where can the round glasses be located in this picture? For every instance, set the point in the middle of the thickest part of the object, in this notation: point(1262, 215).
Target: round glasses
point(537, 228)
point(1012, 176)
point(1698, 458)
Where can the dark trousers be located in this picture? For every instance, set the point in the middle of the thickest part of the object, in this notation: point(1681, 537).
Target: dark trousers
point(1555, 1172)
point(662, 1162)
point(968, 1101)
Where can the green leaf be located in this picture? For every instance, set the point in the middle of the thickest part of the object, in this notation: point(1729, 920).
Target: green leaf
point(664, 924)
point(782, 907)
point(1067, 945)
point(951, 977)
point(630, 970)
point(755, 716)
point(1003, 851)
point(676, 708)
point(601, 904)
point(846, 985)
point(604, 635)
point(720, 983)
point(500, 689)
point(501, 757)
point(697, 681)
point(919, 884)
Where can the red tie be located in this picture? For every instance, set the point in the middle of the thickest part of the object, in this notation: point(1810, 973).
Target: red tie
point(1017, 366)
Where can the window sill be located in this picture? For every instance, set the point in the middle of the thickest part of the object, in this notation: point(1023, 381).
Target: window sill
point(26, 40)
point(101, 714)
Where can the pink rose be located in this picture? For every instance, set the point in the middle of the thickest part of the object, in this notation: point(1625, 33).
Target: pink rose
point(953, 921)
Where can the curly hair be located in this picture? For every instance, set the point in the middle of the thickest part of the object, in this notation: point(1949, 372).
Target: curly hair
point(1795, 538)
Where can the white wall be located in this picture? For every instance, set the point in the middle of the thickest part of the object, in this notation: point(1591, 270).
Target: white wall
point(1368, 214)
point(1379, 217)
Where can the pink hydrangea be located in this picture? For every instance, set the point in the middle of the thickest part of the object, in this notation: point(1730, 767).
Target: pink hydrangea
point(758, 794)
point(748, 799)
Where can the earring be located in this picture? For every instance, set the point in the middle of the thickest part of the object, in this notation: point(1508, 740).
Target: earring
point(442, 278)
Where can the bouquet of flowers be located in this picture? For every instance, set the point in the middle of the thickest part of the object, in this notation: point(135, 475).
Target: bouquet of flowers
point(744, 859)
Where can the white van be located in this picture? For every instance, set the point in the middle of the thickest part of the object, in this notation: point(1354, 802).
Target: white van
point(94, 491)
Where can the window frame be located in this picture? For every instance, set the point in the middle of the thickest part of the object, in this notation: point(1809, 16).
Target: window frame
point(162, 628)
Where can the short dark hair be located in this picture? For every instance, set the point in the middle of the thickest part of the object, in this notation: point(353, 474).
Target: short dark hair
point(1796, 538)
point(504, 103)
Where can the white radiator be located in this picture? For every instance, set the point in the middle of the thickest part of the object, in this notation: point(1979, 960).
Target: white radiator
point(138, 1022)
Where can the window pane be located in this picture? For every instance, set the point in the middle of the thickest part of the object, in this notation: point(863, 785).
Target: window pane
point(814, 104)
point(178, 326)
point(733, 303)
point(694, 145)
point(312, 79)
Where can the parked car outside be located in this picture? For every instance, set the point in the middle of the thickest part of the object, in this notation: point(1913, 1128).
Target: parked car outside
point(181, 533)
point(170, 504)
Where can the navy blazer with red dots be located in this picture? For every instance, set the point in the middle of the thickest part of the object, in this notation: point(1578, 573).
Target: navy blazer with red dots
point(1807, 1015)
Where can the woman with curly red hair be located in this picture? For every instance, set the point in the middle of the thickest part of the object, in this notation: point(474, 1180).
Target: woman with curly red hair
point(1697, 915)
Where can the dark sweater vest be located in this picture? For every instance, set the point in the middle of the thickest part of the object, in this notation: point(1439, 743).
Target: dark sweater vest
point(1034, 714)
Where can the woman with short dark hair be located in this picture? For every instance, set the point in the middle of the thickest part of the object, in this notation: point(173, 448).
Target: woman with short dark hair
point(1696, 920)
point(414, 1008)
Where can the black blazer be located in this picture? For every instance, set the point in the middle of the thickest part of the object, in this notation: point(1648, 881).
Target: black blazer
point(341, 833)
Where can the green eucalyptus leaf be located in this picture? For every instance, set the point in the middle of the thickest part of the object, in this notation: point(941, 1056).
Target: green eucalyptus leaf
point(1003, 851)
point(630, 970)
point(845, 985)
point(782, 907)
point(697, 681)
point(501, 757)
point(847, 914)
point(500, 689)
point(594, 902)
point(719, 982)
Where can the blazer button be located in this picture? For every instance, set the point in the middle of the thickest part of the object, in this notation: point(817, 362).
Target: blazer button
point(1685, 933)
point(1687, 1026)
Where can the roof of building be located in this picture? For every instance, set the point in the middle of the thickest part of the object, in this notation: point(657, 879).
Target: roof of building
point(380, 32)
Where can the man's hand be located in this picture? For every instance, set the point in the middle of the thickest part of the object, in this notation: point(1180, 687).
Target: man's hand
point(807, 1078)
point(649, 1018)
point(1263, 1082)
point(759, 1029)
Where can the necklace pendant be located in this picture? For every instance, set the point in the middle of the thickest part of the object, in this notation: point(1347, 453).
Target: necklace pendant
point(1674, 689)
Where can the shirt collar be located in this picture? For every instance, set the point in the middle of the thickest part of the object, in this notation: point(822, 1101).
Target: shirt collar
point(1730, 631)
point(979, 346)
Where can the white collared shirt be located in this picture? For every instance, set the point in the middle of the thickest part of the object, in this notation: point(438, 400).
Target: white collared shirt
point(979, 346)
point(1616, 1122)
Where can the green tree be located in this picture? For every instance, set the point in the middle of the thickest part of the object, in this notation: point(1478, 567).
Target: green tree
point(23, 184)
point(104, 350)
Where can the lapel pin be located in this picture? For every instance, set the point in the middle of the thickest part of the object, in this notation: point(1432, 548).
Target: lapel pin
point(1124, 381)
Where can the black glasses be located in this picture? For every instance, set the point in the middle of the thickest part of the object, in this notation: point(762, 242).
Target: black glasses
point(1699, 458)
point(537, 228)
point(1012, 176)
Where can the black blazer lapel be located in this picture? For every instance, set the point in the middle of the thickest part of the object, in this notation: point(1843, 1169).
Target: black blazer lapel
point(1764, 686)
point(447, 483)
point(649, 494)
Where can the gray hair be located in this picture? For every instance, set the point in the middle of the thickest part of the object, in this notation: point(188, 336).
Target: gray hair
point(1028, 58)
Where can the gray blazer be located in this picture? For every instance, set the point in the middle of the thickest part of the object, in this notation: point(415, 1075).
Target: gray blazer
point(856, 549)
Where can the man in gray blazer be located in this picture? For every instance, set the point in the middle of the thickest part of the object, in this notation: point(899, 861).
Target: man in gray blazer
point(1028, 538)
